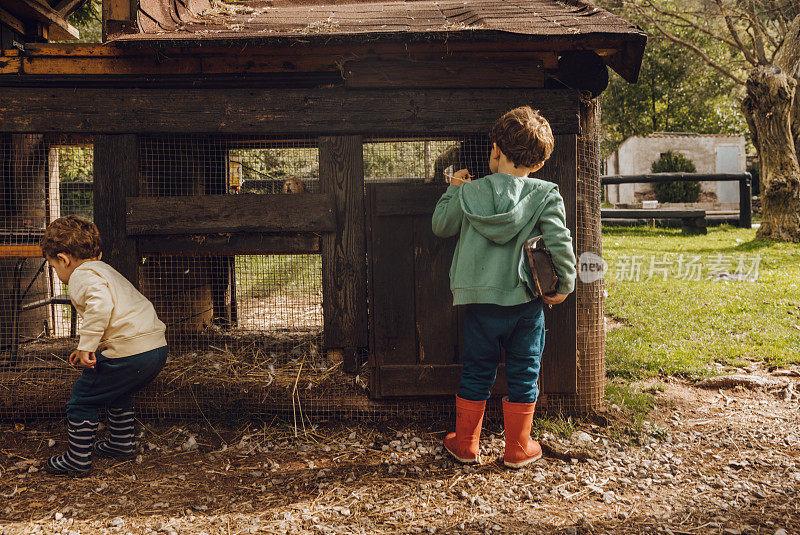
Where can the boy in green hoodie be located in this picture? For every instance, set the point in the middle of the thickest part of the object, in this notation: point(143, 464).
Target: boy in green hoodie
point(494, 216)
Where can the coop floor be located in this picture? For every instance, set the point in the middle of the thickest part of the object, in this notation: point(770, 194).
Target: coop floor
point(217, 372)
point(712, 463)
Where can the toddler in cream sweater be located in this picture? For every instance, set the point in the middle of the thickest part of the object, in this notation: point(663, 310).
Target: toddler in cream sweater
point(122, 346)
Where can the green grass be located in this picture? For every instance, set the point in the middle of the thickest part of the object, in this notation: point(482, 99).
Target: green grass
point(678, 326)
point(265, 276)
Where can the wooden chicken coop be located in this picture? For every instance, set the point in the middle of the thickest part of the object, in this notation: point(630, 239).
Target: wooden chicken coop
point(189, 124)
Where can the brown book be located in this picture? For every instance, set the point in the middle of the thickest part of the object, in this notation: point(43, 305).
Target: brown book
point(541, 265)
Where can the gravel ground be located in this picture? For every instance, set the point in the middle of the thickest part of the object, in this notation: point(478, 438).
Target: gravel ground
point(704, 461)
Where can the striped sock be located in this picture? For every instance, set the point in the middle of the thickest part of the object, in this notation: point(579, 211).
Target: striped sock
point(120, 433)
point(78, 458)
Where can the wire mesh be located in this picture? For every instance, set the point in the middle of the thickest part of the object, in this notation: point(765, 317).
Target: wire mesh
point(42, 178)
point(590, 302)
point(246, 330)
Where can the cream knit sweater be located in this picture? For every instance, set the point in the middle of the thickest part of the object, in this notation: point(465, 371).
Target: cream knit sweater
point(117, 319)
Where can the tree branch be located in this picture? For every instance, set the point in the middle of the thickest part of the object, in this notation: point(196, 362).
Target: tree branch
point(758, 39)
point(733, 44)
point(686, 44)
point(788, 55)
point(759, 22)
point(735, 34)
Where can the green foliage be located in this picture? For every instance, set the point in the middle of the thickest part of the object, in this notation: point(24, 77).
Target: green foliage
point(87, 19)
point(676, 92)
point(678, 191)
point(76, 165)
point(262, 277)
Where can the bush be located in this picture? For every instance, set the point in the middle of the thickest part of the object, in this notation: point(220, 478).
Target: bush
point(678, 191)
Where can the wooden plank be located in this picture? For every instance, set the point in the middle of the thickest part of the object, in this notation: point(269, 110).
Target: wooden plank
point(400, 199)
point(115, 179)
point(194, 214)
point(436, 317)
point(232, 244)
point(327, 111)
point(443, 72)
point(391, 289)
point(344, 268)
point(559, 370)
point(429, 380)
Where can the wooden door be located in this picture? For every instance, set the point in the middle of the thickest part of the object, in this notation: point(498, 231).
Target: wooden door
point(415, 331)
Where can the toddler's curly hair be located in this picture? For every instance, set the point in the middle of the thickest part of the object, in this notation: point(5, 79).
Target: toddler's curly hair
point(73, 235)
point(524, 136)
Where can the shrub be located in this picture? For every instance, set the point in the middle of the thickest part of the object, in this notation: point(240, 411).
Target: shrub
point(678, 191)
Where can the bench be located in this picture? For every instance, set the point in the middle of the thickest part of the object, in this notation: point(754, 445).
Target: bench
point(691, 221)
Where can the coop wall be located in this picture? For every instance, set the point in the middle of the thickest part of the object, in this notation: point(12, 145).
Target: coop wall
point(249, 325)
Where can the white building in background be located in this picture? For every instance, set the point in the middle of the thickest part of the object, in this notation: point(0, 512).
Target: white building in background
point(710, 153)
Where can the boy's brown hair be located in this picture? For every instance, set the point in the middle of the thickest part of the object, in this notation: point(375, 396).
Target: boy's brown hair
point(73, 235)
point(524, 136)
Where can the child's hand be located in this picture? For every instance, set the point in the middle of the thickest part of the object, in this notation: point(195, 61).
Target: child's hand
point(554, 299)
point(84, 358)
point(459, 177)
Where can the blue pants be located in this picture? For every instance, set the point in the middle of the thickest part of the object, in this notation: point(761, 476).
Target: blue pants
point(520, 331)
point(113, 382)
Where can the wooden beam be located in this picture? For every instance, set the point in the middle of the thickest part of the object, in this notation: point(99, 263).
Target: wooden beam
point(443, 72)
point(428, 380)
point(197, 214)
point(230, 244)
point(429, 63)
point(399, 199)
point(66, 7)
point(431, 112)
point(12, 22)
point(57, 27)
point(344, 261)
point(115, 179)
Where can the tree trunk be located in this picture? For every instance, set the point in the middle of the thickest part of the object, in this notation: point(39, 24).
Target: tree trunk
point(769, 101)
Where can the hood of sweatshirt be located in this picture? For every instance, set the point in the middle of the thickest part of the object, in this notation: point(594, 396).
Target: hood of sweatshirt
point(499, 205)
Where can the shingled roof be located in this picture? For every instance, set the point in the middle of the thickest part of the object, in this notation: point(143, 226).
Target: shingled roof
point(563, 24)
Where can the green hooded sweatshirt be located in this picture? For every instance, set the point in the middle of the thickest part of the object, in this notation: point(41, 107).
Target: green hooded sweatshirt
point(495, 215)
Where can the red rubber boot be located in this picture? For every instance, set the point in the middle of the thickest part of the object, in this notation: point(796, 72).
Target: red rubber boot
point(464, 443)
point(520, 449)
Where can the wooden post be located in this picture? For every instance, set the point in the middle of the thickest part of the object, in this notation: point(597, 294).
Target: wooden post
point(745, 202)
point(23, 201)
point(115, 178)
point(344, 268)
point(55, 286)
point(118, 16)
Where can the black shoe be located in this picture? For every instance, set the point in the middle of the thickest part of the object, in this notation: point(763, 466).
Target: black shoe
point(59, 466)
point(101, 449)
point(77, 461)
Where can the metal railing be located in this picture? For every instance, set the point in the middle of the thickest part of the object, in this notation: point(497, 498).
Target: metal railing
point(744, 180)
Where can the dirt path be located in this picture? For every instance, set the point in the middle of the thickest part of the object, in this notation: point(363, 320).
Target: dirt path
point(712, 462)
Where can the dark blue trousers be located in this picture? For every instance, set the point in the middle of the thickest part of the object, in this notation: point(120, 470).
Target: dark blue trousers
point(520, 331)
point(113, 382)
